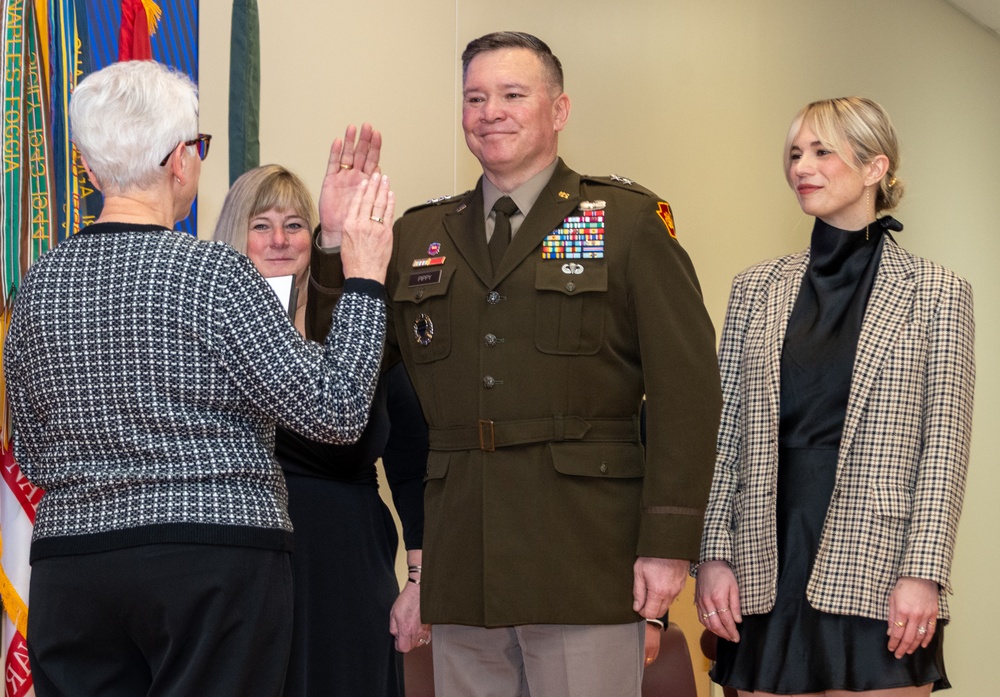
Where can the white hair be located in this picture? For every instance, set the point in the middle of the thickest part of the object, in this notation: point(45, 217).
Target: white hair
point(127, 117)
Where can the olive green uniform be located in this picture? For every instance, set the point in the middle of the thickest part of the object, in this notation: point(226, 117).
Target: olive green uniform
point(539, 495)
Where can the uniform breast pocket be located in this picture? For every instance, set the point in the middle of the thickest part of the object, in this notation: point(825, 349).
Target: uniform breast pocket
point(570, 308)
point(423, 313)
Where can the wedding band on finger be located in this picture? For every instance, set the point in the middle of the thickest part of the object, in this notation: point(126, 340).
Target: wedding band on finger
point(343, 166)
point(899, 624)
point(932, 623)
point(713, 612)
point(375, 219)
point(723, 610)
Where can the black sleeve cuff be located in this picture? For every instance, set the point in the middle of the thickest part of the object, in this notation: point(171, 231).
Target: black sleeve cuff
point(365, 286)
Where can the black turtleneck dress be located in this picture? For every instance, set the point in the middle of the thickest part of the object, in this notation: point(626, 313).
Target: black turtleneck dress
point(796, 648)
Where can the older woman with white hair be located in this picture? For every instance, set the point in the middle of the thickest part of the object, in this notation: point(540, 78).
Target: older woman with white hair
point(146, 373)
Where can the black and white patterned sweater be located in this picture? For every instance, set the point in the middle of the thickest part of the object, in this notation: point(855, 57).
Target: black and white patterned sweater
point(146, 371)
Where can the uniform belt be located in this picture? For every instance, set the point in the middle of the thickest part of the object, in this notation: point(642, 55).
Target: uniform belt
point(488, 435)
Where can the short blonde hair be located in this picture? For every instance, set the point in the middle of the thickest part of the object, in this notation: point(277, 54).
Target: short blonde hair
point(858, 130)
point(268, 187)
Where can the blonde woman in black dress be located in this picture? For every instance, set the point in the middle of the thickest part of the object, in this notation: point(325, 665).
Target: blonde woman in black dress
point(848, 375)
point(343, 564)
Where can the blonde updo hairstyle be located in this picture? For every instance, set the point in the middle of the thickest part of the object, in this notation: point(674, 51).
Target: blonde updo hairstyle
point(264, 188)
point(857, 130)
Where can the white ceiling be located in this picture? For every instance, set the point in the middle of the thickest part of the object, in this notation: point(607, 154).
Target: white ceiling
point(985, 12)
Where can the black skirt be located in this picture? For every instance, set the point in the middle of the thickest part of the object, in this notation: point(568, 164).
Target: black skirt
point(343, 569)
point(797, 649)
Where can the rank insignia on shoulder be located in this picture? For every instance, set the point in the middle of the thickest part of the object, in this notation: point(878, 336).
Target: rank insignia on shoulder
point(597, 205)
point(439, 199)
point(663, 210)
point(621, 180)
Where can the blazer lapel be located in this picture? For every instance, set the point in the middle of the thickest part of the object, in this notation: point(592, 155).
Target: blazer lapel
point(888, 308)
point(467, 229)
point(558, 199)
point(778, 308)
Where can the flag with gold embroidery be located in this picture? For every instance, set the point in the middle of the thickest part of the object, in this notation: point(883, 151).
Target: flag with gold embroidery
point(48, 47)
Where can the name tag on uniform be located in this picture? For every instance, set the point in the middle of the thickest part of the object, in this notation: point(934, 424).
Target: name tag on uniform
point(425, 278)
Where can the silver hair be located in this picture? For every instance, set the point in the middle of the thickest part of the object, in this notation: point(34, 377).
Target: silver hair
point(127, 117)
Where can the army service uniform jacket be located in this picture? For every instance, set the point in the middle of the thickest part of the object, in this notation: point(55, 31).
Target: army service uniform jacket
point(539, 495)
point(903, 453)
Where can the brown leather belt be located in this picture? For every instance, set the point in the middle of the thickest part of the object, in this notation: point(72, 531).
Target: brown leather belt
point(488, 435)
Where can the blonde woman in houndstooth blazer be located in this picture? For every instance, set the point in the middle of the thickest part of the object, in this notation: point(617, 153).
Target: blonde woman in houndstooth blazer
point(848, 375)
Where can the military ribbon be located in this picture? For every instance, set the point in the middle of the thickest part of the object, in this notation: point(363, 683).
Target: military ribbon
point(13, 92)
point(40, 224)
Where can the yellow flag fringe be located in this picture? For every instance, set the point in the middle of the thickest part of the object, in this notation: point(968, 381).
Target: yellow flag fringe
point(153, 14)
point(15, 607)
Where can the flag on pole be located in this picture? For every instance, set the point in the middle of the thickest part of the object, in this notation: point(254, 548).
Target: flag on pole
point(244, 89)
point(138, 24)
point(45, 197)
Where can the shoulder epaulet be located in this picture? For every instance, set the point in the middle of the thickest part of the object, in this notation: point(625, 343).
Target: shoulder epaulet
point(619, 182)
point(659, 205)
point(440, 200)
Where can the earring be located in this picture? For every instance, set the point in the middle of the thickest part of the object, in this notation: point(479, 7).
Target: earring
point(868, 204)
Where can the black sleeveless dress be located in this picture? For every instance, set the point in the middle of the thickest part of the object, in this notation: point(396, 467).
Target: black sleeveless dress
point(795, 648)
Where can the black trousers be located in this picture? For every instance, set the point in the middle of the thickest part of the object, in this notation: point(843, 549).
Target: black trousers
point(163, 620)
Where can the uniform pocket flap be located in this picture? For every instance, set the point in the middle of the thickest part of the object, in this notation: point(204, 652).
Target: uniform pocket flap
point(437, 466)
point(418, 285)
point(893, 501)
point(572, 278)
point(614, 460)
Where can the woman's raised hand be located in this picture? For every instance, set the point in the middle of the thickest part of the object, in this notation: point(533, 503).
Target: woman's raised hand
point(353, 159)
point(367, 239)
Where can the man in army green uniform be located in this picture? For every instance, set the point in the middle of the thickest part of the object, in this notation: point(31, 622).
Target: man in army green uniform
point(533, 313)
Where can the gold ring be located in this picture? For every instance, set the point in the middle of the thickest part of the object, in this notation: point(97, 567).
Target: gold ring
point(375, 219)
point(931, 623)
point(343, 166)
point(899, 624)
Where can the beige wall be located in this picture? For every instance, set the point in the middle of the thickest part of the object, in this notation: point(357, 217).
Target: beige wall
point(692, 99)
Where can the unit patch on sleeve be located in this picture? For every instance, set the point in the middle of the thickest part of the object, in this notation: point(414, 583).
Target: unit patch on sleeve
point(663, 210)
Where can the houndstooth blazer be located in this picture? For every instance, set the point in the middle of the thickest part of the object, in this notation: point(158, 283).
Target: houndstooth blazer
point(904, 448)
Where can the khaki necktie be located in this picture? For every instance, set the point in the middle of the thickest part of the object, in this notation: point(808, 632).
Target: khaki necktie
point(503, 208)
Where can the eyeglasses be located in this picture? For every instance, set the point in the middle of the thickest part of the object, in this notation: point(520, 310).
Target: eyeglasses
point(202, 141)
